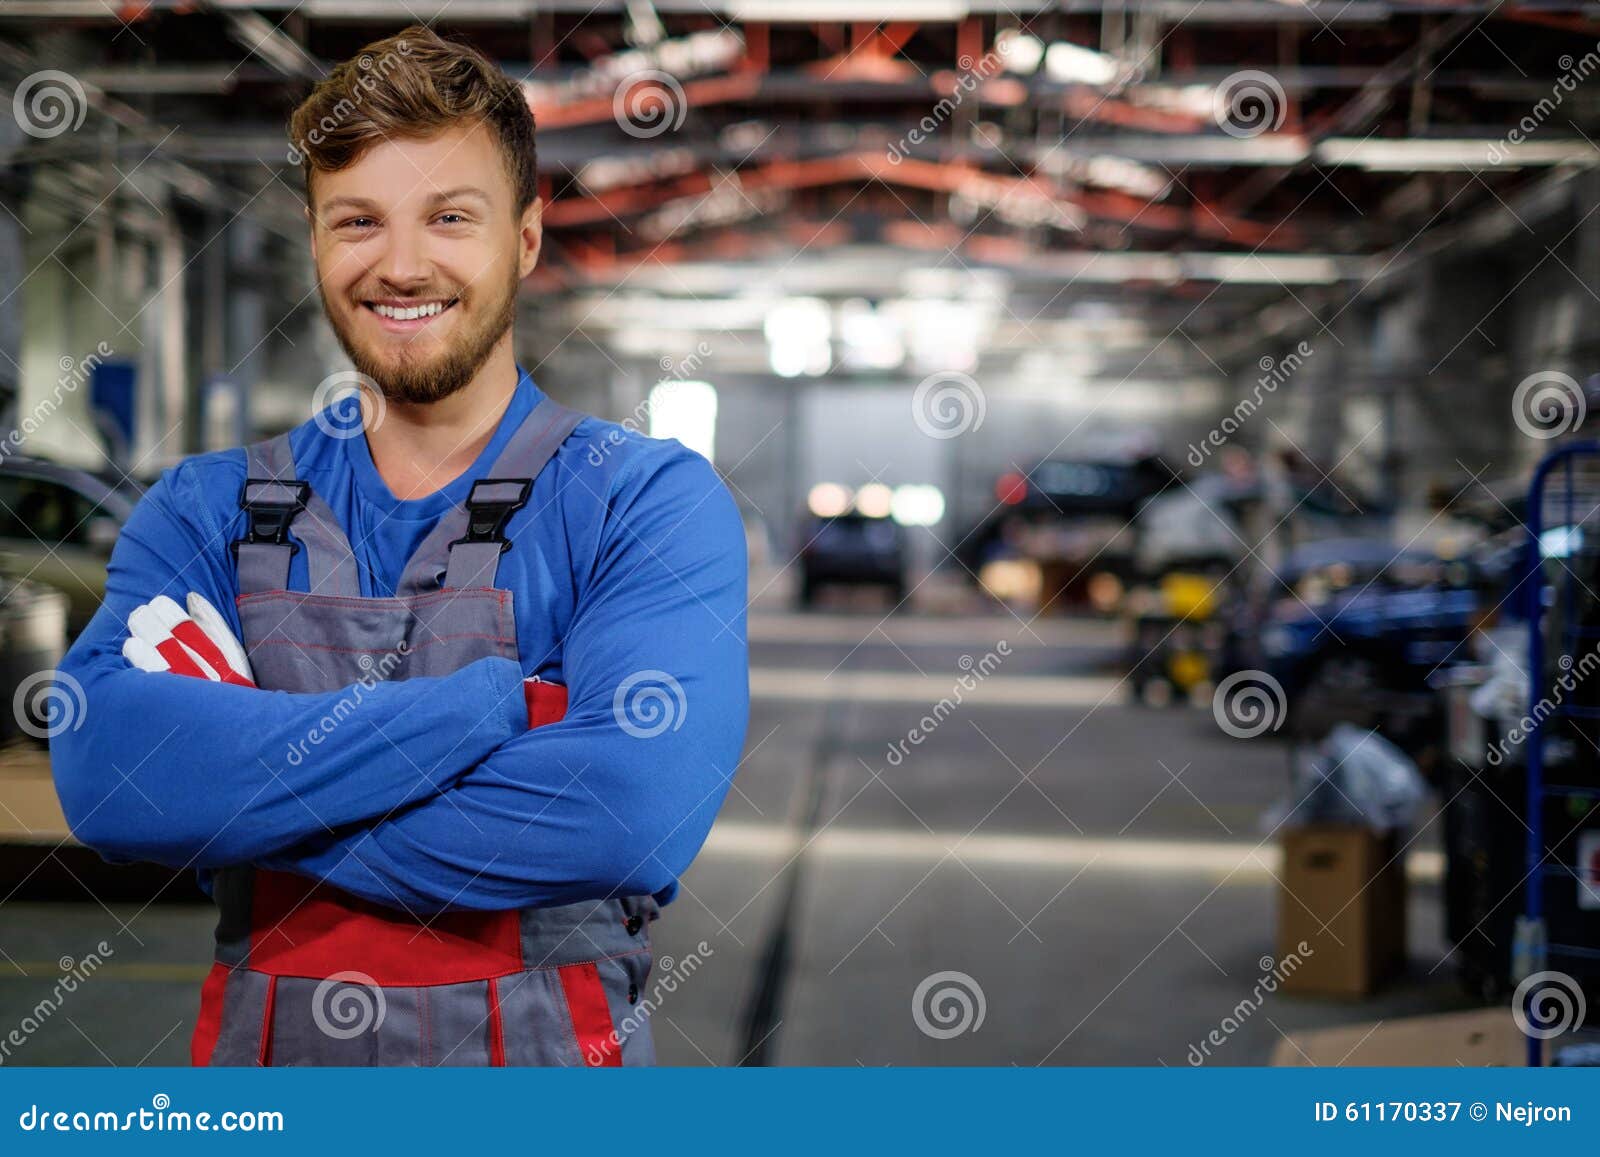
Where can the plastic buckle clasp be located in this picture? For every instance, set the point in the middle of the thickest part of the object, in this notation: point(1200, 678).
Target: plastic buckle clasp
point(270, 518)
point(490, 506)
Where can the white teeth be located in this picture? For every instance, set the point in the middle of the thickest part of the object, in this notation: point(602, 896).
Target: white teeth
point(431, 309)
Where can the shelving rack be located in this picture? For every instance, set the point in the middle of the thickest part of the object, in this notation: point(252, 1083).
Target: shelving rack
point(1564, 624)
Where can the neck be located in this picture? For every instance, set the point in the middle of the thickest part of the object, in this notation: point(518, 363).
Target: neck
point(419, 449)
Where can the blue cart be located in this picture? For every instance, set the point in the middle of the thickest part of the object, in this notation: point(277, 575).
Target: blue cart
point(1557, 951)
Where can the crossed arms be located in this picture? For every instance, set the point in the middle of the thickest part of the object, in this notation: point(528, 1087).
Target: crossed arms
point(433, 793)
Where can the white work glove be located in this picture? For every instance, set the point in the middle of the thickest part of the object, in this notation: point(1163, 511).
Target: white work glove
point(161, 637)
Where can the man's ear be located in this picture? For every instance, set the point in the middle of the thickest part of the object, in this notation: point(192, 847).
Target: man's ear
point(531, 237)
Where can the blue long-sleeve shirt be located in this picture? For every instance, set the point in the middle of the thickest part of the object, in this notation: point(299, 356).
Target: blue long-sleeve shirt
point(629, 557)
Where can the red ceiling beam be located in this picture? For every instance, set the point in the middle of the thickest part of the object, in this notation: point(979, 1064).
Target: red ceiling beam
point(598, 109)
point(1198, 220)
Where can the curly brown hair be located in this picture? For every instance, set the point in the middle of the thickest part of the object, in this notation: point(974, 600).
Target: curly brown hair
point(409, 85)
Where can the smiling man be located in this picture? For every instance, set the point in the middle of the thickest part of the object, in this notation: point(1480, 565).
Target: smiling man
point(438, 701)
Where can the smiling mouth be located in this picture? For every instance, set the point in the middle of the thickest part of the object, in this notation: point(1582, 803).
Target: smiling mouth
point(394, 311)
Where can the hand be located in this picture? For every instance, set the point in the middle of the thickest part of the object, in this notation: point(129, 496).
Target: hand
point(161, 637)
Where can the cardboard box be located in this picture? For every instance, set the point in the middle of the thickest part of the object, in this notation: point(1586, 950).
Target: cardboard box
point(1343, 896)
point(30, 813)
point(1485, 1036)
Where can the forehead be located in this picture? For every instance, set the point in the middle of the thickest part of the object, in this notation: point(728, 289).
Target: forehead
point(397, 171)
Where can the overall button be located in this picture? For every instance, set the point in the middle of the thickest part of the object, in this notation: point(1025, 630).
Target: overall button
point(633, 924)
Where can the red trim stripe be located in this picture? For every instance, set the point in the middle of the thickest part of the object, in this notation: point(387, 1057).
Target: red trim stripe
point(303, 928)
point(497, 1032)
point(208, 1025)
point(188, 633)
point(264, 1056)
point(179, 661)
point(591, 1016)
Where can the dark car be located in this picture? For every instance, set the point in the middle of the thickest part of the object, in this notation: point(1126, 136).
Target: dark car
point(1070, 516)
point(852, 549)
point(57, 526)
point(1363, 654)
point(33, 637)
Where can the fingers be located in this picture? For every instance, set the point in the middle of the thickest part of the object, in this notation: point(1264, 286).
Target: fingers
point(162, 637)
point(152, 625)
point(216, 628)
point(142, 655)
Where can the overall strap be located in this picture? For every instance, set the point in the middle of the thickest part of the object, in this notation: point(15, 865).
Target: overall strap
point(277, 502)
point(469, 540)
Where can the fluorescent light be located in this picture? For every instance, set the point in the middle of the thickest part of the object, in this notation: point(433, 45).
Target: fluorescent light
point(1019, 51)
point(686, 411)
point(1420, 155)
point(1071, 63)
point(917, 505)
point(798, 332)
point(805, 11)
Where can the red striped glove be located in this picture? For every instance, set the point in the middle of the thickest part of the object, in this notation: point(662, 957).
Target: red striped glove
point(162, 637)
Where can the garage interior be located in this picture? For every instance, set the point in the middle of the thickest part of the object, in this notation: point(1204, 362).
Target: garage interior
point(1137, 412)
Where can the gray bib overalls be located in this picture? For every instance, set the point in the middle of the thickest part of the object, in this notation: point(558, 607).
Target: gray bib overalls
point(307, 974)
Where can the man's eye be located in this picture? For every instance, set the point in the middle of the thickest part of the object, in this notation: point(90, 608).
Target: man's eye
point(451, 219)
point(357, 223)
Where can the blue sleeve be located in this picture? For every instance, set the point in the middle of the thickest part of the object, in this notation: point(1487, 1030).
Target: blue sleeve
point(617, 797)
point(186, 772)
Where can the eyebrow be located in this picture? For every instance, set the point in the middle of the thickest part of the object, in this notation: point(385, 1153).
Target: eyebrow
point(464, 192)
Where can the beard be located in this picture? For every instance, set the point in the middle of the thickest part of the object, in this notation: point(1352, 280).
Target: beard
point(408, 377)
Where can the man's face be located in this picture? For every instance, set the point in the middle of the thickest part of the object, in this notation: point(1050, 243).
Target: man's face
point(419, 251)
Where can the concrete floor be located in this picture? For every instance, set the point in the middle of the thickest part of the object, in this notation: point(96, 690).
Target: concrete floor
point(1086, 863)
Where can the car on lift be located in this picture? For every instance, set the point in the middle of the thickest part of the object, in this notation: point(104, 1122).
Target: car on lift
point(852, 549)
point(58, 525)
point(1068, 518)
point(1356, 629)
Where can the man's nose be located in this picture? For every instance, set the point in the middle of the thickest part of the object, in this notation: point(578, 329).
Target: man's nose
point(404, 262)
